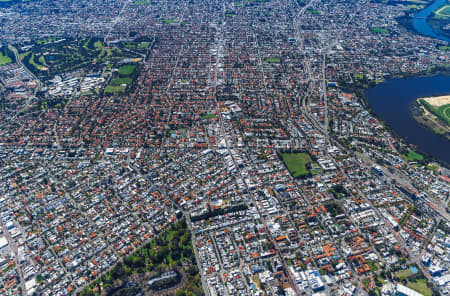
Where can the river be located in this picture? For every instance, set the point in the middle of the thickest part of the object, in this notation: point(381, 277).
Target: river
point(421, 25)
point(391, 99)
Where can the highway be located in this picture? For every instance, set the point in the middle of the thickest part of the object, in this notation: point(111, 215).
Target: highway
point(19, 62)
point(36, 90)
point(11, 241)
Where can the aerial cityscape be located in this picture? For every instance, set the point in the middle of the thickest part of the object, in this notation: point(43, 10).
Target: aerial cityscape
point(224, 147)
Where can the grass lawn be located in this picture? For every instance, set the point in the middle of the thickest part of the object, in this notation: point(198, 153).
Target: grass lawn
point(415, 7)
point(23, 55)
point(432, 167)
point(4, 60)
point(420, 286)
point(169, 21)
point(296, 163)
point(273, 60)
point(42, 60)
point(144, 45)
point(403, 274)
point(85, 44)
point(313, 11)
point(36, 65)
point(105, 53)
point(119, 81)
point(126, 70)
point(98, 45)
point(413, 156)
point(444, 113)
point(208, 116)
point(87, 93)
point(379, 30)
point(374, 266)
point(114, 89)
point(46, 40)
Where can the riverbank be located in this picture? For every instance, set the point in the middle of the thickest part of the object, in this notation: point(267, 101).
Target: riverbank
point(406, 138)
point(425, 111)
point(423, 22)
point(359, 87)
point(439, 21)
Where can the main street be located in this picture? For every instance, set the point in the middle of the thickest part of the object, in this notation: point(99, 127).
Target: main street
point(263, 220)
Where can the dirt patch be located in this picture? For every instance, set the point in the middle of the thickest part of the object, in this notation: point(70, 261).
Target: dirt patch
point(438, 101)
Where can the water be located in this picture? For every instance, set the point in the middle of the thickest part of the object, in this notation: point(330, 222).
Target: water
point(391, 99)
point(421, 25)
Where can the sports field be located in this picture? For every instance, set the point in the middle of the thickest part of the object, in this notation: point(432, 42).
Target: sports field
point(379, 30)
point(296, 163)
point(273, 60)
point(443, 11)
point(126, 70)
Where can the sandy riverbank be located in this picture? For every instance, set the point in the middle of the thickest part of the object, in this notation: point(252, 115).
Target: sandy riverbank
point(438, 101)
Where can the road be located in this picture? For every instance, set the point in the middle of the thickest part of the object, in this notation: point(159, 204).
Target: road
point(36, 90)
point(228, 147)
point(115, 20)
point(19, 62)
point(14, 248)
point(366, 162)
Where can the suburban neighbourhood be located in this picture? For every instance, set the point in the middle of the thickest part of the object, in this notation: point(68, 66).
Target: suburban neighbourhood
point(237, 129)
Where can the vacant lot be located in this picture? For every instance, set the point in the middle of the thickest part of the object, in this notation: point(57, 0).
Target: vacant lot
point(438, 101)
point(296, 163)
point(419, 284)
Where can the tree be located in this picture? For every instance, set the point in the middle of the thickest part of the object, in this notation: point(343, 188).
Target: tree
point(118, 271)
point(192, 270)
point(176, 254)
point(87, 292)
point(162, 254)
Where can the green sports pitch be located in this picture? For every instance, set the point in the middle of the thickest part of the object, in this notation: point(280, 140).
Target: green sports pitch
point(442, 112)
point(443, 11)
